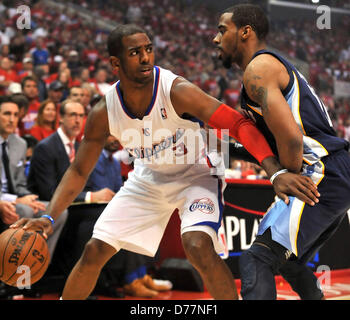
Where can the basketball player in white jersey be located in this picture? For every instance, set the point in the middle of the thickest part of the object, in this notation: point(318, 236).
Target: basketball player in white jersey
point(148, 111)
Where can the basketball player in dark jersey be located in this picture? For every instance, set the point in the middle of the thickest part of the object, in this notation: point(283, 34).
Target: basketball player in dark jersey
point(298, 129)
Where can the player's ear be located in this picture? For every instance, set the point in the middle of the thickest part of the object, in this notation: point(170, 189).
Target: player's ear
point(114, 61)
point(246, 32)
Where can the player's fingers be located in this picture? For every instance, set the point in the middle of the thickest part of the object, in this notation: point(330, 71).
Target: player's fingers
point(283, 197)
point(19, 223)
point(307, 182)
point(306, 196)
point(310, 192)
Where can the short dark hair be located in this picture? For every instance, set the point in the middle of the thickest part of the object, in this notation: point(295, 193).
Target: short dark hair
point(114, 42)
point(7, 99)
point(28, 78)
point(21, 100)
point(63, 106)
point(252, 15)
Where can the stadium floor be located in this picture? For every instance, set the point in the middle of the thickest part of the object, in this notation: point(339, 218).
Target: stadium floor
point(338, 288)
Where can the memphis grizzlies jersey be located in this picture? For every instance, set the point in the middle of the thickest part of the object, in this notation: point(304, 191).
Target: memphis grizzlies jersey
point(319, 137)
point(161, 141)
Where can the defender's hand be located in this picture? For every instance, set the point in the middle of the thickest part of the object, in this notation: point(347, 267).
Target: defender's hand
point(291, 184)
point(42, 225)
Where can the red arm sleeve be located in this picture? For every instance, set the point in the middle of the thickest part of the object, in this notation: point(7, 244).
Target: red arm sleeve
point(243, 130)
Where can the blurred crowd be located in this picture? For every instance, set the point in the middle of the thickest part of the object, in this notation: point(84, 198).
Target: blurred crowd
point(62, 50)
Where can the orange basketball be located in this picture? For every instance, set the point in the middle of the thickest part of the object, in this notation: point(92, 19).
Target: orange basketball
point(24, 257)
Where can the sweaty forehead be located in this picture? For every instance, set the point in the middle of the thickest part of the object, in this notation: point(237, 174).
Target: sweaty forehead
point(136, 40)
point(226, 20)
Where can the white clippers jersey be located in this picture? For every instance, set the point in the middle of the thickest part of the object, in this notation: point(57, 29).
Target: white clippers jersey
point(161, 141)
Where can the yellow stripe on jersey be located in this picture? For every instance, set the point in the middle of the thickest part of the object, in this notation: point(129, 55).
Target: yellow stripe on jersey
point(257, 110)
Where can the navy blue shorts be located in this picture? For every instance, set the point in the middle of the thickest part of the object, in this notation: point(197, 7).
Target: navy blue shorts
point(302, 228)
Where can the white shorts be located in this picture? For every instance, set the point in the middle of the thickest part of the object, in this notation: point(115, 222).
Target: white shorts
point(136, 218)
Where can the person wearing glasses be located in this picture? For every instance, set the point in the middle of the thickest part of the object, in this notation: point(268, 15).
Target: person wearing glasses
point(53, 155)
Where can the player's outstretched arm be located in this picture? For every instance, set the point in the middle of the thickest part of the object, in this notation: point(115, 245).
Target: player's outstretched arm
point(96, 133)
point(188, 98)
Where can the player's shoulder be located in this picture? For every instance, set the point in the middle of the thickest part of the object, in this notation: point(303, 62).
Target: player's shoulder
point(263, 67)
point(264, 63)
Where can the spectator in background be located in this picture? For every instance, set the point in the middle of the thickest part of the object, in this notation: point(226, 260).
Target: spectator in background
point(53, 155)
point(90, 54)
point(73, 61)
point(84, 75)
point(23, 104)
point(27, 68)
point(76, 94)
point(347, 129)
point(100, 81)
point(7, 75)
point(40, 53)
point(65, 78)
point(13, 180)
point(30, 90)
point(31, 143)
point(107, 172)
point(46, 122)
point(55, 92)
point(40, 74)
point(87, 95)
point(232, 94)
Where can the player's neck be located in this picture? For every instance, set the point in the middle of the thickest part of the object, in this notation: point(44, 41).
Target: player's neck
point(249, 53)
point(136, 98)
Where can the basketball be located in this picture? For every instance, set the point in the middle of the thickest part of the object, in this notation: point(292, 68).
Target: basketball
point(24, 257)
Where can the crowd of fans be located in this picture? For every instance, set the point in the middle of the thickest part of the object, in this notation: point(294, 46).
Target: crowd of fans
point(62, 50)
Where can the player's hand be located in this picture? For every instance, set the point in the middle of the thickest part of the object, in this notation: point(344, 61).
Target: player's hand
point(8, 213)
point(42, 225)
point(104, 194)
point(31, 201)
point(291, 184)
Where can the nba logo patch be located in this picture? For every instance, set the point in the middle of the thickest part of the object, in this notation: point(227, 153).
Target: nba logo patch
point(204, 205)
point(163, 113)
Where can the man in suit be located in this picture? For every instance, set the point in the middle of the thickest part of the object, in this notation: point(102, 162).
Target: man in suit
point(15, 199)
point(107, 172)
point(53, 155)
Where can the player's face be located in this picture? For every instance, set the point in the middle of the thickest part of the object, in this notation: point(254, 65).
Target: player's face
point(227, 41)
point(137, 60)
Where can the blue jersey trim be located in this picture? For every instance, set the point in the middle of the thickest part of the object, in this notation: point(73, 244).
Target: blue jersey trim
point(154, 96)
